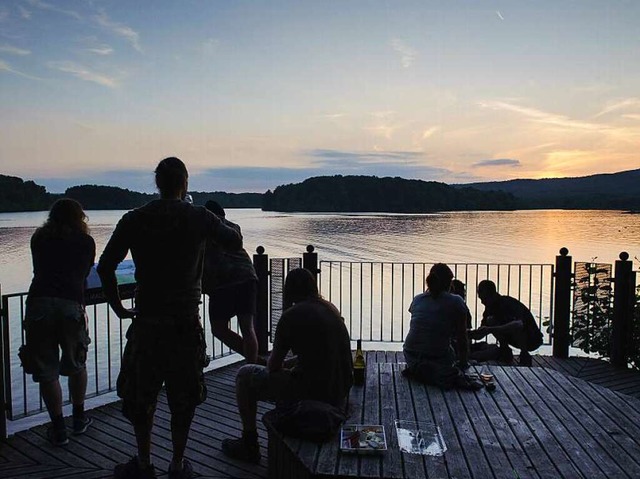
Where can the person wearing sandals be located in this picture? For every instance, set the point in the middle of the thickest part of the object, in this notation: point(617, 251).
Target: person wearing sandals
point(165, 342)
point(63, 253)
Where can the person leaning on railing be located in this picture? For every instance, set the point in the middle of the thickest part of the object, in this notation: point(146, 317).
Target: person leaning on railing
point(55, 319)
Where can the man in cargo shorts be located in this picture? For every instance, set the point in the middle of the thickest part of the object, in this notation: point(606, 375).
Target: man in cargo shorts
point(165, 342)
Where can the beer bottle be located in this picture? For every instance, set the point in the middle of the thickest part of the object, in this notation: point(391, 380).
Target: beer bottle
point(359, 365)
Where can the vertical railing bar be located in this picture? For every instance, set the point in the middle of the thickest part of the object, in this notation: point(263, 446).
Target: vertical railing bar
point(371, 305)
point(530, 285)
point(402, 302)
point(519, 282)
point(341, 267)
point(109, 372)
point(392, 295)
point(25, 405)
point(330, 281)
point(361, 299)
point(350, 294)
point(381, 298)
point(95, 347)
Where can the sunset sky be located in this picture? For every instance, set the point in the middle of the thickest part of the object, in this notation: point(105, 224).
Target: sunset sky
point(254, 94)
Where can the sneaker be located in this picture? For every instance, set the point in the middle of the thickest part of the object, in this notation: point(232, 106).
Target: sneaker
point(80, 425)
point(185, 473)
point(241, 450)
point(57, 437)
point(132, 470)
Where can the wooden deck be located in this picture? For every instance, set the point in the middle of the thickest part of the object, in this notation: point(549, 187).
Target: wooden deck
point(582, 429)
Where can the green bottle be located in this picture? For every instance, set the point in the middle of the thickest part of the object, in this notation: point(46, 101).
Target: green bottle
point(359, 365)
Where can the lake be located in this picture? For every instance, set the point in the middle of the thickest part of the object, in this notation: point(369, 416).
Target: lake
point(457, 237)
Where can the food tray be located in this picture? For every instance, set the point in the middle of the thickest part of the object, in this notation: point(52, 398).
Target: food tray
point(420, 438)
point(363, 438)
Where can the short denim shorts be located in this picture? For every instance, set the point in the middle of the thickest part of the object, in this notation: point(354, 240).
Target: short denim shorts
point(53, 325)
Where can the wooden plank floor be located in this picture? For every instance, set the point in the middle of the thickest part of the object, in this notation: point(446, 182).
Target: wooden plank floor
point(110, 440)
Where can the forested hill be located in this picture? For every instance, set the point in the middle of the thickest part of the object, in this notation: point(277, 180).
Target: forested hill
point(604, 191)
point(373, 194)
point(19, 195)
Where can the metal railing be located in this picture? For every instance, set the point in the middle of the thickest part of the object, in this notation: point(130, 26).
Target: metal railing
point(107, 333)
point(374, 297)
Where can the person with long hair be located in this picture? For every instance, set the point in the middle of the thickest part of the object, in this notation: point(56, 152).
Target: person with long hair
point(63, 253)
point(438, 318)
point(312, 329)
point(165, 342)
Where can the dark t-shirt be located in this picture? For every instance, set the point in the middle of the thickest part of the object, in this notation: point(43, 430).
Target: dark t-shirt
point(61, 265)
point(167, 241)
point(315, 332)
point(224, 266)
point(506, 309)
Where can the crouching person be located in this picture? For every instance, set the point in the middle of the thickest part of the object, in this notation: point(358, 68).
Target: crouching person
point(313, 330)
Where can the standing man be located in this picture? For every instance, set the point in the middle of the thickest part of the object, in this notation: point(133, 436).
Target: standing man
point(165, 342)
point(231, 282)
point(312, 329)
point(510, 322)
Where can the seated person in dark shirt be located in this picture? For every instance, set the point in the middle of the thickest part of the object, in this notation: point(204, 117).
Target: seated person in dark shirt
point(510, 322)
point(312, 329)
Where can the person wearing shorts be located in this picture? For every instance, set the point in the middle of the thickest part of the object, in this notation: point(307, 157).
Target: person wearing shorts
point(165, 342)
point(55, 318)
point(313, 330)
point(230, 280)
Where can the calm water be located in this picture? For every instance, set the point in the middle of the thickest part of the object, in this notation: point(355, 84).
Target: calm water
point(460, 237)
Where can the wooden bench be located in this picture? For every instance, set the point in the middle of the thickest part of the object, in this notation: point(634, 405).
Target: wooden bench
point(538, 423)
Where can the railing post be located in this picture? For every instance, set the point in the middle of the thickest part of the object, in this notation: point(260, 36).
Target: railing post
point(261, 265)
point(310, 261)
point(562, 305)
point(4, 345)
point(623, 303)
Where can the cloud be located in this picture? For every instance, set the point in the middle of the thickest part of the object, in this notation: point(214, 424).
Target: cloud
point(120, 30)
point(83, 73)
point(498, 162)
point(101, 50)
point(407, 54)
point(14, 50)
point(24, 13)
point(5, 67)
point(499, 15)
point(362, 157)
point(540, 116)
point(429, 132)
point(52, 8)
point(619, 105)
point(632, 116)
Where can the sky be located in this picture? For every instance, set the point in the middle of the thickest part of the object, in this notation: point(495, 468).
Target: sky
point(256, 94)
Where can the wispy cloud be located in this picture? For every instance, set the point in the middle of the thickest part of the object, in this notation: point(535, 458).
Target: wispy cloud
point(498, 162)
point(83, 73)
point(544, 117)
point(14, 50)
point(24, 13)
point(429, 132)
point(52, 8)
point(5, 67)
point(407, 54)
point(366, 156)
point(617, 105)
point(499, 15)
point(101, 50)
point(333, 116)
point(128, 33)
point(632, 116)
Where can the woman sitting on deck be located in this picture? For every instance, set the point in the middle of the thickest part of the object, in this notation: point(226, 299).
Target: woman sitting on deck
point(437, 319)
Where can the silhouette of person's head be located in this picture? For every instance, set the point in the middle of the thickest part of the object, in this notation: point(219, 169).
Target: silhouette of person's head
point(439, 279)
point(299, 286)
point(172, 178)
point(459, 288)
point(66, 216)
point(487, 292)
point(215, 208)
